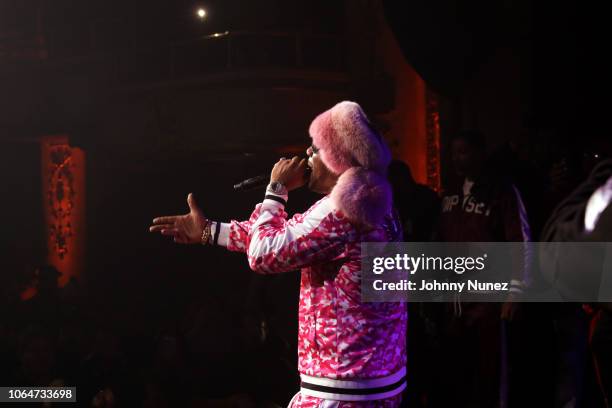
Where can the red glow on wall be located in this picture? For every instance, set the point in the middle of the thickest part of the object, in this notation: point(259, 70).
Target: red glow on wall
point(409, 135)
point(63, 194)
point(433, 141)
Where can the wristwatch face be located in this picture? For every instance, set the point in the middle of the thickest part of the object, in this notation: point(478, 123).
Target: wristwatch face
point(277, 188)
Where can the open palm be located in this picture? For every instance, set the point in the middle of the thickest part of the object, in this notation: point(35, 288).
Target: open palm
point(186, 229)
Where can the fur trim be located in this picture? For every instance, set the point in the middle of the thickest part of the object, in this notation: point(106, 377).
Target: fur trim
point(346, 139)
point(363, 196)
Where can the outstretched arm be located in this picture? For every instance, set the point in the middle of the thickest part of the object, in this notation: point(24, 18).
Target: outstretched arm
point(186, 228)
point(272, 243)
point(193, 227)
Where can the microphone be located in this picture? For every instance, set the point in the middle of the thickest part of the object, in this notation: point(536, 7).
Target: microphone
point(253, 183)
point(261, 181)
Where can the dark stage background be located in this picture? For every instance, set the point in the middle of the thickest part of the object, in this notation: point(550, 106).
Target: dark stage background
point(161, 107)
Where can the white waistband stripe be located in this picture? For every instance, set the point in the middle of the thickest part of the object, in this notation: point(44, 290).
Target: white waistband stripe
point(352, 397)
point(365, 383)
point(354, 389)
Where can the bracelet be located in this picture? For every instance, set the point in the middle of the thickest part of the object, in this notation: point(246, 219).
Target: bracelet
point(205, 240)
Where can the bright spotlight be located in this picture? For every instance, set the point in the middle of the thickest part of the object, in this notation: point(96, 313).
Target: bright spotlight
point(201, 13)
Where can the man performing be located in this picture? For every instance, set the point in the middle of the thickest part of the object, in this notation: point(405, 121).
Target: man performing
point(349, 353)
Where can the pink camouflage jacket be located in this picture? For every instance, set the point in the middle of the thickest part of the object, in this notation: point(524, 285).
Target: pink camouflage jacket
point(339, 337)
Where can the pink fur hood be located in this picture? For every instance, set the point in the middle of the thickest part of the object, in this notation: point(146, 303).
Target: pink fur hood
point(351, 148)
point(363, 196)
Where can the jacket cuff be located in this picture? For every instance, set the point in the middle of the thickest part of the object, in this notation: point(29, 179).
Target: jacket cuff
point(224, 232)
point(273, 201)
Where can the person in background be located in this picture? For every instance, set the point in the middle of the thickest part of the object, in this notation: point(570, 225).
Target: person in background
point(542, 164)
point(481, 208)
point(418, 207)
point(586, 216)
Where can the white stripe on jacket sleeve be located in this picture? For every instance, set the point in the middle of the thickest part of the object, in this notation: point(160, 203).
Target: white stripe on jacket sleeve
point(272, 237)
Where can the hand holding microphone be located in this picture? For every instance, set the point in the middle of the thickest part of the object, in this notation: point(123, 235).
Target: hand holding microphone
point(299, 166)
point(290, 172)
